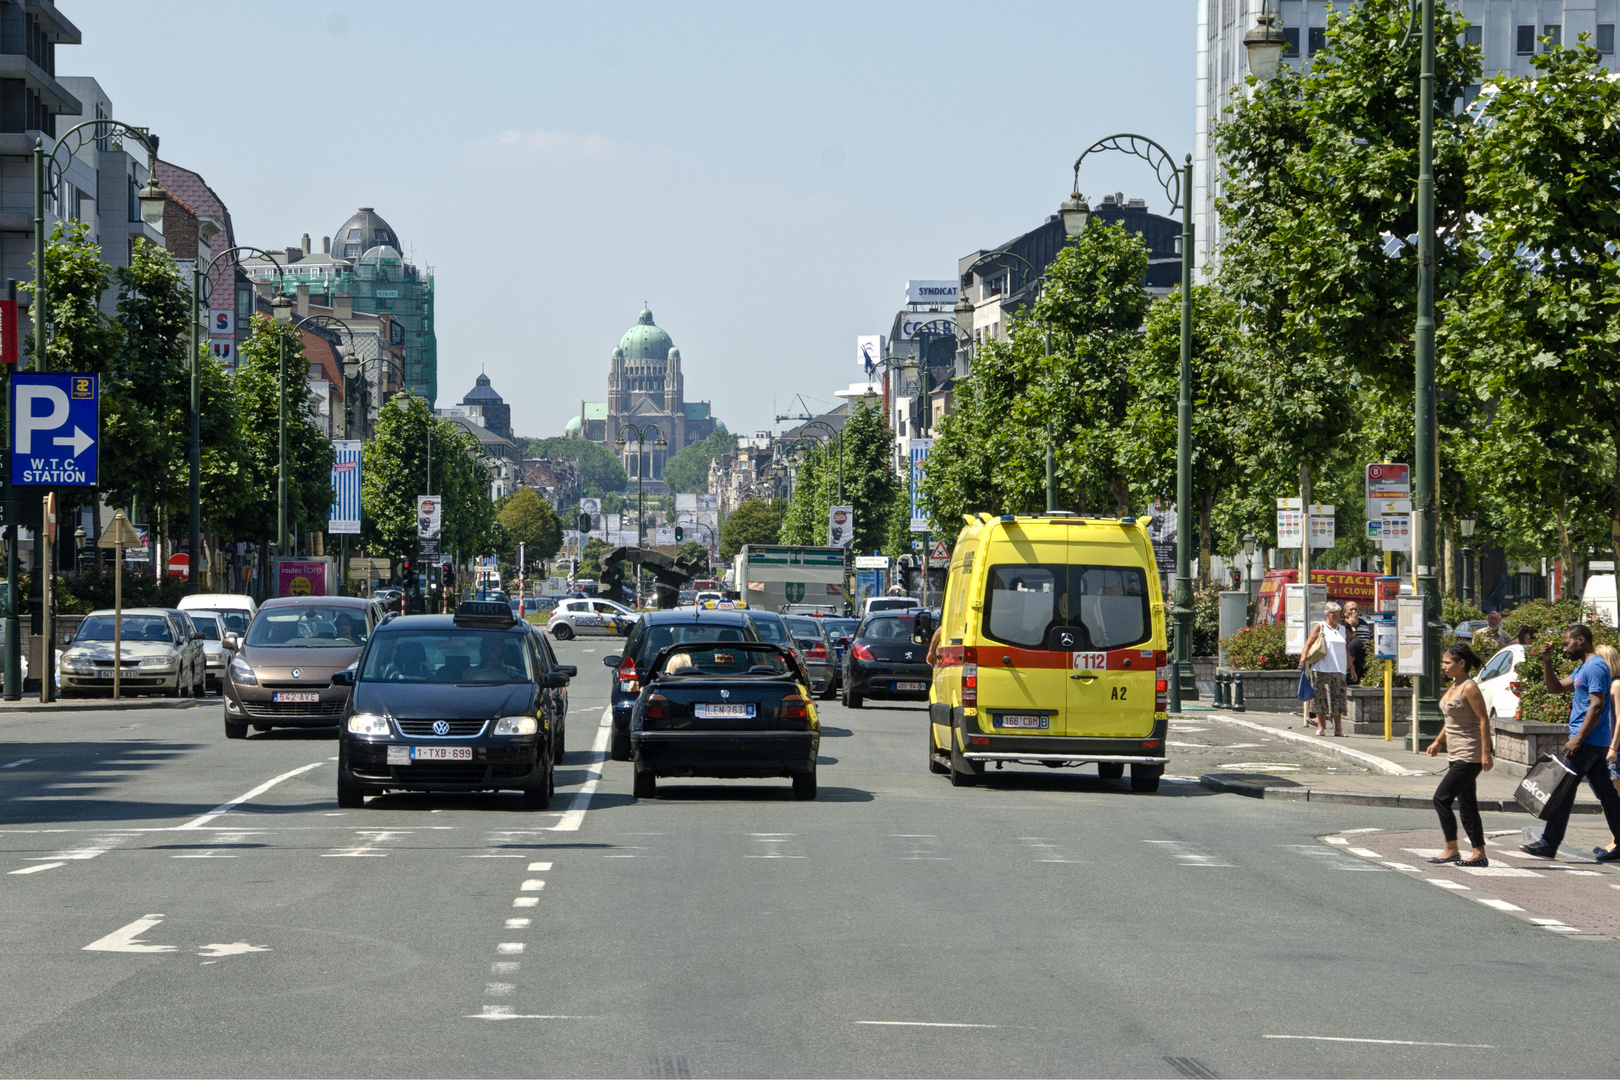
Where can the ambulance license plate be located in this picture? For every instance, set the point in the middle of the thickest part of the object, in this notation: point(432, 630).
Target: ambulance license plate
point(1035, 722)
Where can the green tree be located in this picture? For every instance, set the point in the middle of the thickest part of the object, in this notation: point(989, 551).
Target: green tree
point(687, 470)
point(693, 551)
point(870, 485)
point(396, 474)
point(1537, 336)
point(756, 521)
point(599, 470)
point(1069, 366)
point(256, 393)
point(528, 519)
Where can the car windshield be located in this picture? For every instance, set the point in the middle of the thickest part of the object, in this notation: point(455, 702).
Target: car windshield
point(889, 628)
point(662, 636)
point(489, 657)
point(771, 628)
point(1098, 607)
point(136, 628)
point(236, 621)
point(207, 625)
point(725, 660)
point(308, 626)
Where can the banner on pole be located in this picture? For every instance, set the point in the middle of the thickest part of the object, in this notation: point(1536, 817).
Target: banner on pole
point(345, 513)
point(918, 451)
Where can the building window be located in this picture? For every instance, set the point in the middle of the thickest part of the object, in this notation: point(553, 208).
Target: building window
point(1316, 39)
point(1474, 35)
point(1556, 33)
point(354, 234)
point(1291, 42)
point(351, 250)
point(1526, 40)
point(1605, 38)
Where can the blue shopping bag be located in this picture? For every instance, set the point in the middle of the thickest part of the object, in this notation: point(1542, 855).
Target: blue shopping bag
point(1307, 692)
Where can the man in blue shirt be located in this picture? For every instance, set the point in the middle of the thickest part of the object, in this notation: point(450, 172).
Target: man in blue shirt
point(1591, 720)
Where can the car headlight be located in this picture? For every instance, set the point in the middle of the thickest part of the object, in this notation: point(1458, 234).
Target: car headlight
point(158, 662)
point(516, 725)
point(365, 723)
point(242, 673)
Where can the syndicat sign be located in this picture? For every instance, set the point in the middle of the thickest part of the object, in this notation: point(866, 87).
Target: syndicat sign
point(933, 292)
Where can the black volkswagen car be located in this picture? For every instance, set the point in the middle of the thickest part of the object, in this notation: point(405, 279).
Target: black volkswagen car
point(655, 631)
point(888, 657)
point(449, 703)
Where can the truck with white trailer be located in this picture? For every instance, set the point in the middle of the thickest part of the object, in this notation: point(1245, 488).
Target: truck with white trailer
point(771, 576)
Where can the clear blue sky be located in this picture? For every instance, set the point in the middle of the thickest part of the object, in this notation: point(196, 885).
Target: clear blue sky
point(765, 175)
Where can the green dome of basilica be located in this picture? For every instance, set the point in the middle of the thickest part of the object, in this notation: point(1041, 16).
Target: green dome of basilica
point(644, 341)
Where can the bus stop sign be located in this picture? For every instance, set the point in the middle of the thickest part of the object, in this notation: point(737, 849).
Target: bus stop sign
point(55, 429)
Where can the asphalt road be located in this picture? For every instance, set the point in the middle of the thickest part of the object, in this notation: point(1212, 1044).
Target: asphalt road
point(174, 904)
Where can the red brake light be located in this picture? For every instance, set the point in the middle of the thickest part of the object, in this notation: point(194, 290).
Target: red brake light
point(657, 708)
point(1161, 684)
point(629, 681)
point(817, 651)
point(860, 651)
point(1150, 744)
point(793, 708)
point(970, 679)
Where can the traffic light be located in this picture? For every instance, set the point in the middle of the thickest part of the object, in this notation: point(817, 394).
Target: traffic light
point(680, 533)
point(408, 576)
point(449, 576)
point(584, 523)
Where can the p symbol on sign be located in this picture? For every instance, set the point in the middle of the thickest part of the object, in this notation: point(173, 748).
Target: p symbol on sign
point(28, 418)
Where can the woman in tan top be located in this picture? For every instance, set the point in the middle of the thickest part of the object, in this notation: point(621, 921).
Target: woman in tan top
point(1467, 739)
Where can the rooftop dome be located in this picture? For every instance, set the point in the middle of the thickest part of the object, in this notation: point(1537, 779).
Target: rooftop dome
point(363, 231)
point(381, 252)
point(644, 341)
point(482, 391)
point(572, 427)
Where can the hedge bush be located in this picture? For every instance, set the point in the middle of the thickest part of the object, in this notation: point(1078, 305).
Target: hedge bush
point(1548, 619)
point(1259, 648)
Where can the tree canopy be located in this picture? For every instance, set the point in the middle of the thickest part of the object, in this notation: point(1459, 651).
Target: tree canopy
point(687, 470)
point(599, 469)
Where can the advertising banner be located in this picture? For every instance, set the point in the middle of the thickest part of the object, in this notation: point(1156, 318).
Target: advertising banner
point(685, 504)
point(840, 526)
point(933, 292)
point(345, 513)
point(664, 536)
point(429, 526)
point(301, 577)
point(918, 452)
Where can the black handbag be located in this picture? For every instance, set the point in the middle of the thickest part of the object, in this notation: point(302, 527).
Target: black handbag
point(1546, 786)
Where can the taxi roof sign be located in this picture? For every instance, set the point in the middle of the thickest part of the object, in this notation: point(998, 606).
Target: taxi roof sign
point(484, 613)
point(724, 605)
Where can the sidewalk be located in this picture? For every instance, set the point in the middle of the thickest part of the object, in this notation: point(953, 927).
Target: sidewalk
point(30, 703)
point(1384, 773)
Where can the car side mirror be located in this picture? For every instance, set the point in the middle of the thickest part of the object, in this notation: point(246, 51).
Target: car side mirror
point(922, 626)
point(570, 670)
point(611, 660)
point(233, 642)
point(343, 678)
point(196, 635)
point(555, 680)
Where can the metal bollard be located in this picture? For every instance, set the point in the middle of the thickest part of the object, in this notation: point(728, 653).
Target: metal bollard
point(1223, 690)
point(1220, 689)
point(1237, 692)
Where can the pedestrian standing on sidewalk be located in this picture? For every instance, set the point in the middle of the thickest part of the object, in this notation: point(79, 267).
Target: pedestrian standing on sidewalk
point(1591, 730)
point(1491, 636)
point(1358, 640)
point(1329, 671)
point(1466, 736)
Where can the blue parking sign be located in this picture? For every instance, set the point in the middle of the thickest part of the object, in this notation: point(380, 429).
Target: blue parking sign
point(55, 429)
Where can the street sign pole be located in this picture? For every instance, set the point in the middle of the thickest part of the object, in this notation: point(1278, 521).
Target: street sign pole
point(119, 534)
point(13, 644)
point(47, 630)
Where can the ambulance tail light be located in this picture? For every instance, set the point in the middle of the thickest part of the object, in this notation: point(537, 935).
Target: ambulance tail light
point(970, 676)
point(1161, 683)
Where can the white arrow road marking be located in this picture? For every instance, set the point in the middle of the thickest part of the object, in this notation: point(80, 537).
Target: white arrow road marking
point(127, 938)
point(78, 440)
point(574, 816)
point(37, 869)
point(235, 948)
point(225, 808)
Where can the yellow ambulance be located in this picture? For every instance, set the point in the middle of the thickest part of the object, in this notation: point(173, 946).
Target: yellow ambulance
point(1051, 650)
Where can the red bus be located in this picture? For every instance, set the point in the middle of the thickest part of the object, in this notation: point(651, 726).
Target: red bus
point(1342, 585)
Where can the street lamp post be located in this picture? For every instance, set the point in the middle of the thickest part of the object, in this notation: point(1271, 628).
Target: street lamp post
point(833, 435)
point(1265, 49)
point(281, 310)
point(640, 435)
point(1177, 184)
point(1466, 527)
point(202, 288)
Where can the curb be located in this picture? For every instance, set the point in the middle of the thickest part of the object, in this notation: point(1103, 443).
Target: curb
point(1334, 749)
point(1227, 786)
point(97, 705)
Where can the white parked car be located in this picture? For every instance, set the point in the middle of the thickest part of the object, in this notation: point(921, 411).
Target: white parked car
point(1498, 683)
point(590, 617)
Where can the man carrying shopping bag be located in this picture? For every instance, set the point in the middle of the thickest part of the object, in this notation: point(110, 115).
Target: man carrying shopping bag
point(1591, 716)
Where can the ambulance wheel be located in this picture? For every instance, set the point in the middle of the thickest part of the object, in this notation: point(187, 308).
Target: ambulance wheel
point(1146, 777)
point(1110, 770)
point(964, 773)
point(935, 765)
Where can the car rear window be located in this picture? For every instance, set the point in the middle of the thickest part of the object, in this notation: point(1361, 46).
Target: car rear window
point(885, 627)
point(804, 628)
point(721, 660)
point(660, 637)
point(771, 628)
point(1106, 606)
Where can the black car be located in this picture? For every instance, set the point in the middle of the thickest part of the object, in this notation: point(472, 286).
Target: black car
point(840, 630)
point(449, 703)
point(888, 657)
point(559, 695)
point(653, 632)
point(726, 709)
